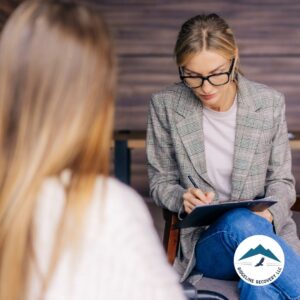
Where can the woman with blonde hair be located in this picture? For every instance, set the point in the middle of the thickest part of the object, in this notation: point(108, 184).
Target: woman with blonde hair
point(67, 231)
point(229, 135)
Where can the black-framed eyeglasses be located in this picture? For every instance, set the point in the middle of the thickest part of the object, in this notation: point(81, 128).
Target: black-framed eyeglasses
point(196, 81)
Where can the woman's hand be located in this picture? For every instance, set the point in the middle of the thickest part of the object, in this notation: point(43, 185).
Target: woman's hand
point(265, 214)
point(193, 197)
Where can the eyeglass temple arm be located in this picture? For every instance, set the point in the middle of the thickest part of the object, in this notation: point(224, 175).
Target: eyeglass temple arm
point(232, 64)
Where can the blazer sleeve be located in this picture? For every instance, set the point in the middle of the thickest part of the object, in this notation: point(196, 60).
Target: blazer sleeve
point(163, 170)
point(280, 182)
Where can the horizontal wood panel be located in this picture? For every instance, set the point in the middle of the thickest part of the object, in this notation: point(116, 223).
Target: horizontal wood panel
point(150, 27)
point(141, 76)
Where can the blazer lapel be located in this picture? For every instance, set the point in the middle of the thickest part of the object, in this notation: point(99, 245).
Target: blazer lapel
point(249, 125)
point(190, 130)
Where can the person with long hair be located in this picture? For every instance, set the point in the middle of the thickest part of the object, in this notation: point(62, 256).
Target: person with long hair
point(67, 230)
point(228, 134)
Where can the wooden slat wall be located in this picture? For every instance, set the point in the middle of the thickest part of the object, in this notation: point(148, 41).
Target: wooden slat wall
point(267, 32)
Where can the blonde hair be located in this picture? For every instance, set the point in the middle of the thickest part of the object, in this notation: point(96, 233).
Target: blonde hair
point(57, 80)
point(206, 32)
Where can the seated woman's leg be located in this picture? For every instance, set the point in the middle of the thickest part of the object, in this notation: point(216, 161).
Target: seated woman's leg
point(215, 250)
point(251, 292)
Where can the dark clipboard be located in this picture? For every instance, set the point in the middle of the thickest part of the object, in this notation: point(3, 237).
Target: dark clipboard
point(207, 214)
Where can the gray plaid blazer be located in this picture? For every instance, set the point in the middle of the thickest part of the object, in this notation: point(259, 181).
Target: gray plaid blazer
point(262, 158)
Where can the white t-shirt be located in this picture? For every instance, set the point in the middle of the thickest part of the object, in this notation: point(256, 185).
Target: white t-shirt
point(219, 136)
point(120, 256)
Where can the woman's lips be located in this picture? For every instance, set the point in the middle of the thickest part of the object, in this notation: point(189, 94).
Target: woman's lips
point(208, 97)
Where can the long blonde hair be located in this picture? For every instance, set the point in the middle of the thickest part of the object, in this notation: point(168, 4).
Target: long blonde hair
point(57, 80)
point(206, 32)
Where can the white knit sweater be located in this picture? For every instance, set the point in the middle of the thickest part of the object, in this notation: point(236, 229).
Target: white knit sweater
point(120, 256)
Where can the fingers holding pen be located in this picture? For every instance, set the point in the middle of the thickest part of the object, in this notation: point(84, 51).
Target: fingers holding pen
point(194, 196)
point(199, 195)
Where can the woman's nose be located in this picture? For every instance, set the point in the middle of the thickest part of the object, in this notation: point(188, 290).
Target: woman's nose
point(206, 87)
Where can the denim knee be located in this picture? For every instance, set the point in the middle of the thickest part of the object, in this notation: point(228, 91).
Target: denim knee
point(244, 221)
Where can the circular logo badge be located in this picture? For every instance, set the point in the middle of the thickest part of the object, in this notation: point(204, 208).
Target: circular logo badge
point(259, 260)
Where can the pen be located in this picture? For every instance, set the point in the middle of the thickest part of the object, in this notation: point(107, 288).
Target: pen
point(193, 182)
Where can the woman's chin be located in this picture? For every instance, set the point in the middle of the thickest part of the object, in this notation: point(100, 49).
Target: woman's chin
point(210, 102)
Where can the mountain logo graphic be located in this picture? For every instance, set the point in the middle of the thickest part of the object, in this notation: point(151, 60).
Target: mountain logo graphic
point(259, 250)
point(259, 260)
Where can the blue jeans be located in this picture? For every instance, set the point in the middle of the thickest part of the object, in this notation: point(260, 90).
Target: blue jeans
point(218, 243)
